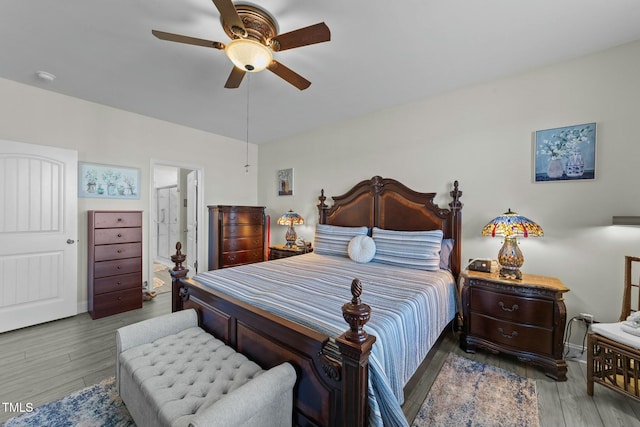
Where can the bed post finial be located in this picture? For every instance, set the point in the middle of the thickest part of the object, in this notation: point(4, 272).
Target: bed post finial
point(356, 314)
point(179, 294)
point(178, 258)
point(455, 204)
point(355, 347)
point(322, 208)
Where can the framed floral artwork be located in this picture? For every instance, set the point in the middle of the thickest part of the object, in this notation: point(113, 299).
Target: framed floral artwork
point(107, 181)
point(565, 154)
point(285, 182)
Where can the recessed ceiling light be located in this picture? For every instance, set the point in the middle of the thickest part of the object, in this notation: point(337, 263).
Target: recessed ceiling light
point(43, 75)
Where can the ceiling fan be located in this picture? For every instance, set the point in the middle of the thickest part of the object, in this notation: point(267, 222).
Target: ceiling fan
point(254, 37)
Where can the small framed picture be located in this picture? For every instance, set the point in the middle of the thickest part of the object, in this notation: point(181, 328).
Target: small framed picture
point(285, 182)
point(107, 181)
point(565, 154)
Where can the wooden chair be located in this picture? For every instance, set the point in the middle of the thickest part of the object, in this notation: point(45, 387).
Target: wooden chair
point(613, 355)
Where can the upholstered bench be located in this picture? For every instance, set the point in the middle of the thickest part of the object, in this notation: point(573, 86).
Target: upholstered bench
point(170, 372)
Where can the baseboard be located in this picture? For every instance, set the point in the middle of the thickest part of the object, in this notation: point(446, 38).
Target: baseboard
point(575, 353)
point(83, 306)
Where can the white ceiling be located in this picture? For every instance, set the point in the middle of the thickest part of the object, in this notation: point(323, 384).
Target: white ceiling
point(381, 54)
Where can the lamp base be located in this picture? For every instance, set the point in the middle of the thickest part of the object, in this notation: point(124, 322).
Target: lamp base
point(291, 237)
point(510, 259)
point(508, 273)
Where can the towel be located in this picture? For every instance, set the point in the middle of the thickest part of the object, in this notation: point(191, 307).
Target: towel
point(630, 330)
point(633, 320)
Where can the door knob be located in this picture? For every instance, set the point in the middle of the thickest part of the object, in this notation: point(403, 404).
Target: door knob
point(70, 241)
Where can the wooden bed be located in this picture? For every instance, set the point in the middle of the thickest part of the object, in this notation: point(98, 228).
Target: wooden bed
point(332, 377)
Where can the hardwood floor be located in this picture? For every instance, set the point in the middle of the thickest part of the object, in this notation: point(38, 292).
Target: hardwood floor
point(43, 363)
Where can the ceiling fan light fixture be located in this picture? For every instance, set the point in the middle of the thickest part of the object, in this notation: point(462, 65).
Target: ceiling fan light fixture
point(249, 55)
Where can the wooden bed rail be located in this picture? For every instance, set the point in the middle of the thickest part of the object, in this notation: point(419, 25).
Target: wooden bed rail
point(338, 381)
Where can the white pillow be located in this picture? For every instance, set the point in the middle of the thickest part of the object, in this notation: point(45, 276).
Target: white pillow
point(361, 249)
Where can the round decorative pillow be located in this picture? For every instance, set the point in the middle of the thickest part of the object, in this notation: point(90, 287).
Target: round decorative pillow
point(361, 249)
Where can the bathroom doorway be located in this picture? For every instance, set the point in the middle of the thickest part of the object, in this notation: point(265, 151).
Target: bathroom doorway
point(176, 207)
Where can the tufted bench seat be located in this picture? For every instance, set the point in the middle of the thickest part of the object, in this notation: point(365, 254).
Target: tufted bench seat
point(170, 372)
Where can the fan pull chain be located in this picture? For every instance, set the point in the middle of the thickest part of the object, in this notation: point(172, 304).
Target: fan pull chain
point(246, 166)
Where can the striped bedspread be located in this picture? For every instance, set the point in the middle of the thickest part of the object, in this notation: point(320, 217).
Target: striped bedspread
point(410, 308)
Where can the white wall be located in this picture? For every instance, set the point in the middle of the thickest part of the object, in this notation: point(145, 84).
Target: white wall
point(483, 137)
point(106, 135)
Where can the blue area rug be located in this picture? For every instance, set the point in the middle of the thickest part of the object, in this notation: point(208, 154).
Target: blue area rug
point(472, 394)
point(96, 406)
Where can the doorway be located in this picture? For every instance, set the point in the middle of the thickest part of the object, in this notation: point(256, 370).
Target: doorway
point(176, 208)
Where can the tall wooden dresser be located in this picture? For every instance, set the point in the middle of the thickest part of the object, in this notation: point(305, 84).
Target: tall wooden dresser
point(236, 235)
point(115, 262)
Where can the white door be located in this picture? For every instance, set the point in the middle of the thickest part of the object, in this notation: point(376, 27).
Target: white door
point(38, 234)
point(192, 223)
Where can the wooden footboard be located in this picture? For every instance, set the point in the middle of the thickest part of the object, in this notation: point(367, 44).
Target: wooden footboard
point(331, 389)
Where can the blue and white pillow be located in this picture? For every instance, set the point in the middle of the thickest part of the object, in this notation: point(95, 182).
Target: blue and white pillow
point(334, 240)
point(412, 249)
point(445, 254)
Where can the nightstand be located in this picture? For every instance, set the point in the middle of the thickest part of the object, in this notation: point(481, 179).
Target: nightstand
point(525, 318)
point(282, 251)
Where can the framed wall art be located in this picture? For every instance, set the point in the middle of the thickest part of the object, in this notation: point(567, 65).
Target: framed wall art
point(285, 182)
point(108, 181)
point(565, 154)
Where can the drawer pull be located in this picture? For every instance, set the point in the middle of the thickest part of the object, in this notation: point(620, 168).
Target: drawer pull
point(118, 267)
point(512, 335)
point(119, 283)
point(514, 307)
point(119, 251)
point(119, 235)
point(119, 219)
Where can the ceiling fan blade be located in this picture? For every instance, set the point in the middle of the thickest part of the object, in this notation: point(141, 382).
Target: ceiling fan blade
point(235, 78)
point(186, 39)
point(312, 34)
point(289, 75)
point(230, 17)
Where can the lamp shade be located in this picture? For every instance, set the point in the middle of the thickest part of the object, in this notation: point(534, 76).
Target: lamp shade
point(248, 55)
point(290, 218)
point(512, 224)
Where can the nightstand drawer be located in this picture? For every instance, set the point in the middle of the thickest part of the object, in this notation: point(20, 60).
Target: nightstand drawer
point(514, 308)
point(516, 335)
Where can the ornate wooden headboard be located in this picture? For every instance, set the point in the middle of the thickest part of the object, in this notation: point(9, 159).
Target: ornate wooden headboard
point(388, 204)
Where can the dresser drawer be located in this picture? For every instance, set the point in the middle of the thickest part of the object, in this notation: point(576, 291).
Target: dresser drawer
point(242, 257)
point(116, 267)
point(243, 218)
point(117, 219)
point(117, 302)
point(515, 335)
point(231, 245)
point(125, 250)
point(118, 283)
point(513, 308)
point(239, 231)
point(108, 236)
